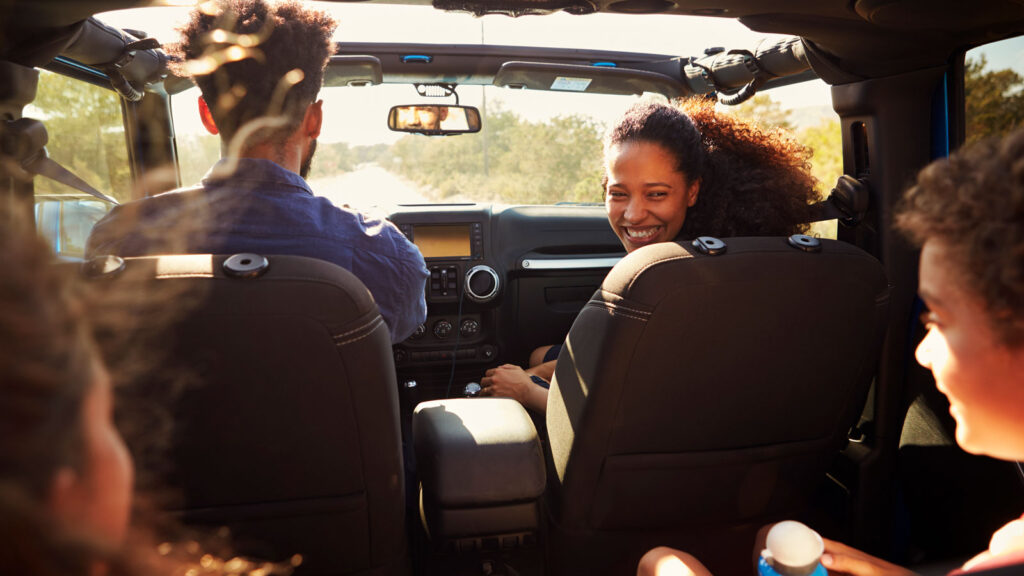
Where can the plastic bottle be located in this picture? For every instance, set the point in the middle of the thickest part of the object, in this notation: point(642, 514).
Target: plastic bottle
point(791, 549)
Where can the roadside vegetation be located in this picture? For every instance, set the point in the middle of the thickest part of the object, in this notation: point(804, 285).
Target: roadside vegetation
point(518, 161)
point(513, 160)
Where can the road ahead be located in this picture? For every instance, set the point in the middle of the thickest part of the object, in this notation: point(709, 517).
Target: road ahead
point(367, 186)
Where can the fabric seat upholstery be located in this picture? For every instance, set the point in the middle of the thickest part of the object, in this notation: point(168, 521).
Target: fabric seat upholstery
point(698, 396)
point(288, 432)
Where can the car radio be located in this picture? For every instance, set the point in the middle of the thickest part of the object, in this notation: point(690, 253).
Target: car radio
point(457, 241)
point(461, 320)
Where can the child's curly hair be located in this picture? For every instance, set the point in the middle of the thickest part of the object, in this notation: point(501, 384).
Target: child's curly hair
point(973, 204)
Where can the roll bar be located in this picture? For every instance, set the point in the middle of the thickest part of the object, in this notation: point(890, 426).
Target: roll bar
point(736, 75)
point(131, 63)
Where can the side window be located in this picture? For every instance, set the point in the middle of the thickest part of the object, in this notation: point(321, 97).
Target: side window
point(198, 150)
point(804, 109)
point(86, 135)
point(994, 89)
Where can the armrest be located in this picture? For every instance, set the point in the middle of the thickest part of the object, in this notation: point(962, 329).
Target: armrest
point(474, 452)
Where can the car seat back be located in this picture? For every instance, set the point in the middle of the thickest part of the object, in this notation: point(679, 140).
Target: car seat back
point(288, 432)
point(702, 394)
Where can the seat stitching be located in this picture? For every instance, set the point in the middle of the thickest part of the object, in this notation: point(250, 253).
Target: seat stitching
point(616, 312)
point(617, 306)
point(654, 263)
point(351, 340)
point(371, 325)
point(636, 310)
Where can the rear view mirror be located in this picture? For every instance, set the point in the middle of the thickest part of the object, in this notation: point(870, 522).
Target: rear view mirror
point(434, 120)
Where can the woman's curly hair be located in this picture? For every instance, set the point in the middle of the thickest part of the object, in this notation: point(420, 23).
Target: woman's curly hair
point(754, 182)
point(243, 55)
point(973, 203)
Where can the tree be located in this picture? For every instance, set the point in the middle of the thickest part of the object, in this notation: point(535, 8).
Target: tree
point(86, 134)
point(332, 159)
point(527, 162)
point(994, 100)
point(826, 141)
point(764, 111)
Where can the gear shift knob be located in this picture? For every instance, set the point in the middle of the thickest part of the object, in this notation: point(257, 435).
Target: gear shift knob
point(472, 390)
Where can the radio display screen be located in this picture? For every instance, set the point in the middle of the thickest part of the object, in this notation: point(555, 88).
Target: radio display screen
point(448, 241)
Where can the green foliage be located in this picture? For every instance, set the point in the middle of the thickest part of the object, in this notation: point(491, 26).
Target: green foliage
point(512, 160)
point(825, 139)
point(86, 134)
point(331, 159)
point(764, 111)
point(994, 100)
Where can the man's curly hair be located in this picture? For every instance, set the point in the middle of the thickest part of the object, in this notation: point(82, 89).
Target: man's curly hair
point(243, 55)
point(973, 204)
point(754, 182)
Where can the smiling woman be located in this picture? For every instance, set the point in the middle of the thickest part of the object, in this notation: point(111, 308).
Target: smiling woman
point(647, 196)
point(676, 172)
point(691, 171)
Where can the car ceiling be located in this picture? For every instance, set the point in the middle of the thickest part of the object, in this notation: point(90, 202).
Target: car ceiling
point(854, 38)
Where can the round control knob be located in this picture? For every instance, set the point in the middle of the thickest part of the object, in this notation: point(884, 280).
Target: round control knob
point(482, 283)
point(418, 332)
point(488, 352)
point(469, 328)
point(472, 390)
point(442, 328)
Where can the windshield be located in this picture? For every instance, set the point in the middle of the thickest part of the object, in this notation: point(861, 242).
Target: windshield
point(535, 147)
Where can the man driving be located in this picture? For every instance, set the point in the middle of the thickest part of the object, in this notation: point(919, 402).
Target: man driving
point(422, 117)
point(259, 67)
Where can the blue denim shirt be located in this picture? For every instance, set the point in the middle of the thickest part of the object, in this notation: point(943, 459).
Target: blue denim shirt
point(261, 207)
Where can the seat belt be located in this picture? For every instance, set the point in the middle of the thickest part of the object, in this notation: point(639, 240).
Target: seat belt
point(24, 140)
point(847, 203)
point(43, 165)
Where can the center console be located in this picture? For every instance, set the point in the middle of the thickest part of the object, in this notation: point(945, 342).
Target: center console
point(462, 292)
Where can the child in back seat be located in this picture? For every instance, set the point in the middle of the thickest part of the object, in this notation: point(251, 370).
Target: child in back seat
point(967, 214)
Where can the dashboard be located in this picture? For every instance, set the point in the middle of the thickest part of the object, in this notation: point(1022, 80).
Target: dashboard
point(503, 280)
point(460, 291)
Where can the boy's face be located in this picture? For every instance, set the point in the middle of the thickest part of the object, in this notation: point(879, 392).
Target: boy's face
point(983, 379)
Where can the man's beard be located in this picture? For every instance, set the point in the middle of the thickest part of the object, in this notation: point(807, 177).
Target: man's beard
point(307, 162)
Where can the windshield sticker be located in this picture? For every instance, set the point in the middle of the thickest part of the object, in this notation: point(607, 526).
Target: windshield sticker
point(570, 84)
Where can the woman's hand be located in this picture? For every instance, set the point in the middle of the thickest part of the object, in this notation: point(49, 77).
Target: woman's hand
point(842, 559)
point(507, 381)
point(511, 381)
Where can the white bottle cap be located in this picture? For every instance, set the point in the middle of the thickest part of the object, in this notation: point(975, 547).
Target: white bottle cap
point(793, 545)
